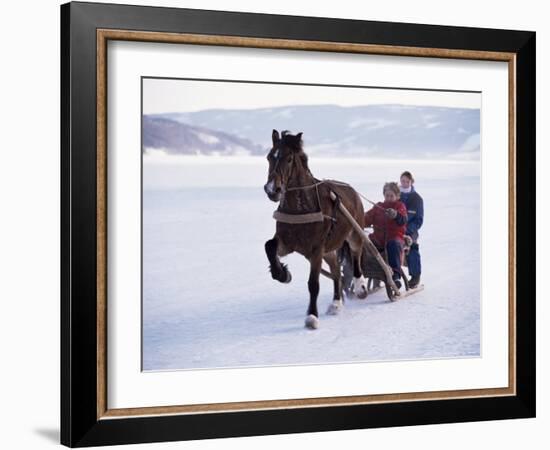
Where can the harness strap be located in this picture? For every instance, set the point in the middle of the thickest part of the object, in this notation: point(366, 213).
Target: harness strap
point(308, 217)
point(309, 186)
point(300, 218)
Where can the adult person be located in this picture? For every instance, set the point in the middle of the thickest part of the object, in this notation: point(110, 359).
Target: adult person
point(415, 217)
point(389, 222)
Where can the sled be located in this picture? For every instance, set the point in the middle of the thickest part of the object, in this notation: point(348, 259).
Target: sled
point(376, 276)
point(375, 268)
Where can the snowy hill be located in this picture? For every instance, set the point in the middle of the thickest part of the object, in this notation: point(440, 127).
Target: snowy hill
point(174, 137)
point(383, 131)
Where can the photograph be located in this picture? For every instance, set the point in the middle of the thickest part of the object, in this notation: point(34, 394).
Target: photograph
point(291, 222)
point(299, 224)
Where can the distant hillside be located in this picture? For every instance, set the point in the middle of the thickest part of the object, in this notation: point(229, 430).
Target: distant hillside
point(179, 138)
point(384, 131)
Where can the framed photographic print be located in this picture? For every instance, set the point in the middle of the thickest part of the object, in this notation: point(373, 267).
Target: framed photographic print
point(279, 224)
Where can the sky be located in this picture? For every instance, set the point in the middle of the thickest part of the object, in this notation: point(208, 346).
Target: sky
point(169, 95)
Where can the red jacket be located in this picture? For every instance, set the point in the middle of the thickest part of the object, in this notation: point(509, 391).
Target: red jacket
point(386, 229)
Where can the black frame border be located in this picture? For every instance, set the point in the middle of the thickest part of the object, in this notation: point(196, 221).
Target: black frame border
point(79, 423)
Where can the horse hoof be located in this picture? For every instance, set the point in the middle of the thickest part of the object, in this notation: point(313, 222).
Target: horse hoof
point(360, 288)
point(362, 294)
point(312, 322)
point(288, 277)
point(334, 308)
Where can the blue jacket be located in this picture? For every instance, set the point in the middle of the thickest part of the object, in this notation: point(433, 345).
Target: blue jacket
point(415, 211)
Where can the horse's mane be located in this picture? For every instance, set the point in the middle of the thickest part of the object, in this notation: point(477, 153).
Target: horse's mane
point(293, 141)
point(296, 143)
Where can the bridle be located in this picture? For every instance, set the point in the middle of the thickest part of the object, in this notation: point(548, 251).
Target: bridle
point(277, 160)
point(302, 217)
point(293, 188)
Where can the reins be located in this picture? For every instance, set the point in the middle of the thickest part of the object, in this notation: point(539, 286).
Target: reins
point(308, 217)
point(315, 216)
point(294, 188)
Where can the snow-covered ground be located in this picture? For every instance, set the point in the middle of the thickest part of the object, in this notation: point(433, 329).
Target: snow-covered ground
point(209, 301)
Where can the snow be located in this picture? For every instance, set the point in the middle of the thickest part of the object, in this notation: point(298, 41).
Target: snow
point(371, 124)
point(286, 113)
point(207, 138)
point(209, 301)
point(153, 153)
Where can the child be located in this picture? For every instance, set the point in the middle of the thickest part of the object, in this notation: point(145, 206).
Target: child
point(389, 221)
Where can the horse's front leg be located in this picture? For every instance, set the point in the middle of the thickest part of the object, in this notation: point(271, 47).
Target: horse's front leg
point(312, 319)
point(278, 270)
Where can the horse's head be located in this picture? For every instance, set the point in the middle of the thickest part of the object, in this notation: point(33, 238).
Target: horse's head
point(282, 159)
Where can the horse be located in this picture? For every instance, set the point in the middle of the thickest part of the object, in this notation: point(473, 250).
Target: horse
point(310, 223)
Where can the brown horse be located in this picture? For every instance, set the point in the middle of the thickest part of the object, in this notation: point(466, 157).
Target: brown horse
point(310, 222)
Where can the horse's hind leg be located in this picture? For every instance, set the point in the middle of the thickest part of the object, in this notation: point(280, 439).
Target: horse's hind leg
point(278, 270)
point(359, 281)
point(345, 260)
point(336, 305)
